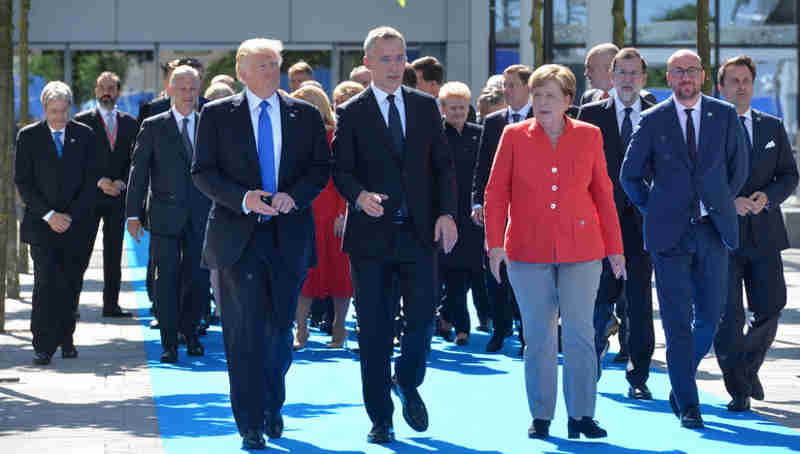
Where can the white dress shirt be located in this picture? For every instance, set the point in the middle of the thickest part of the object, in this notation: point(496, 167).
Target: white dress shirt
point(523, 113)
point(63, 137)
point(748, 123)
point(696, 116)
point(635, 113)
point(274, 112)
point(383, 104)
point(190, 126)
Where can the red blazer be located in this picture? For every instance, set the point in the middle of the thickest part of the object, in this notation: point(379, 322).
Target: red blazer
point(559, 204)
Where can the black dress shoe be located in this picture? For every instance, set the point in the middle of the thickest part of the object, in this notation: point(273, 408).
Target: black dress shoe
point(414, 411)
point(495, 344)
point(194, 347)
point(757, 389)
point(691, 418)
point(484, 326)
point(641, 392)
point(117, 312)
point(621, 357)
point(69, 351)
point(274, 424)
point(540, 429)
point(586, 426)
point(673, 402)
point(169, 355)
point(41, 358)
point(253, 439)
point(381, 433)
point(739, 404)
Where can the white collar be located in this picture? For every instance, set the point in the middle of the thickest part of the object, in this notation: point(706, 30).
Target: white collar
point(523, 111)
point(620, 106)
point(381, 95)
point(680, 107)
point(179, 117)
point(53, 131)
point(254, 102)
point(104, 113)
point(748, 114)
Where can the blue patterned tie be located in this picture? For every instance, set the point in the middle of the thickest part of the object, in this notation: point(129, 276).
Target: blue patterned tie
point(266, 150)
point(59, 145)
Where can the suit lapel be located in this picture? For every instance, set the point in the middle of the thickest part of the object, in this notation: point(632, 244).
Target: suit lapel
point(611, 118)
point(288, 125)
point(100, 125)
point(677, 134)
point(243, 127)
point(411, 120)
point(758, 141)
point(171, 130)
point(706, 121)
point(373, 111)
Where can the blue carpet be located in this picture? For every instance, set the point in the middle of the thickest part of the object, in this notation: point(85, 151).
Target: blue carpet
point(476, 401)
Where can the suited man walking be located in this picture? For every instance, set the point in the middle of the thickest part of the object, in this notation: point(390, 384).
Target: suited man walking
point(56, 173)
point(597, 72)
point(177, 214)
point(393, 165)
point(115, 134)
point(616, 117)
point(762, 236)
point(693, 147)
point(261, 157)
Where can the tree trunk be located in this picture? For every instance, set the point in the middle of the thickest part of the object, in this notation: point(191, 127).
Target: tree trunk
point(704, 44)
point(536, 32)
point(618, 12)
point(23, 264)
point(6, 111)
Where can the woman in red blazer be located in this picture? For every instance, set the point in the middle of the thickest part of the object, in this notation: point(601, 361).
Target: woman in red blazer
point(550, 216)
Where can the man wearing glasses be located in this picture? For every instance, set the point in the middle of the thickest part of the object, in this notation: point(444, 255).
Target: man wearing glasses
point(686, 163)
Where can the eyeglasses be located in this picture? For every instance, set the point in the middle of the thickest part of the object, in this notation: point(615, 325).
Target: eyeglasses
point(624, 74)
point(680, 72)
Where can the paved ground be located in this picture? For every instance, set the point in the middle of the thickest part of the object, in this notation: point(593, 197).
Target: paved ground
point(105, 405)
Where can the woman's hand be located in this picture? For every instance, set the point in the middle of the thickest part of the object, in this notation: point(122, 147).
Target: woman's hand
point(618, 266)
point(497, 255)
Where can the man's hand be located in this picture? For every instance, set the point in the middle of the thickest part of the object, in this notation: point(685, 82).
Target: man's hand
point(60, 222)
point(135, 228)
point(477, 216)
point(743, 205)
point(283, 202)
point(446, 231)
point(338, 226)
point(618, 266)
point(108, 187)
point(370, 203)
point(254, 203)
point(121, 186)
point(497, 255)
point(759, 200)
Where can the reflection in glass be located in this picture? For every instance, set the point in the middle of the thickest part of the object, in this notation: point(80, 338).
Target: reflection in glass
point(569, 21)
point(758, 22)
point(506, 21)
point(43, 66)
point(669, 22)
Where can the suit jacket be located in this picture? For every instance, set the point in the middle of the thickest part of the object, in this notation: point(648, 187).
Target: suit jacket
point(603, 114)
point(364, 162)
point(113, 163)
point(226, 166)
point(161, 161)
point(658, 149)
point(66, 185)
point(773, 171)
point(596, 94)
point(160, 105)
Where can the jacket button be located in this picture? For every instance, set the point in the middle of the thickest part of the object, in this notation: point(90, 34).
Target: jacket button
point(554, 169)
point(553, 206)
point(555, 188)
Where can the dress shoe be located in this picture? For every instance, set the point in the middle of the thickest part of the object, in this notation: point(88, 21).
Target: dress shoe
point(445, 331)
point(117, 312)
point(539, 429)
point(381, 433)
point(181, 339)
point(485, 326)
point(154, 324)
point(326, 327)
point(673, 403)
point(521, 353)
point(739, 404)
point(202, 329)
point(253, 439)
point(69, 351)
point(414, 411)
point(691, 418)
point(462, 338)
point(274, 424)
point(586, 426)
point(495, 344)
point(194, 347)
point(757, 389)
point(621, 357)
point(213, 320)
point(41, 358)
point(641, 392)
point(169, 355)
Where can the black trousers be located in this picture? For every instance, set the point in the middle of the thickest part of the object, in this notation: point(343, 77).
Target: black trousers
point(56, 286)
point(454, 308)
point(480, 298)
point(415, 267)
point(260, 298)
point(740, 355)
point(112, 211)
point(501, 301)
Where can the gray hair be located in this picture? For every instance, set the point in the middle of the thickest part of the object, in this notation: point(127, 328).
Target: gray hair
point(383, 32)
point(492, 96)
point(609, 49)
point(55, 91)
point(495, 82)
point(257, 46)
point(183, 70)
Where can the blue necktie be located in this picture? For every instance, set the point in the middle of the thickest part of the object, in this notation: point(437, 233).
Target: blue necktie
point(59, 145)
point(266, 150)
point(743, 119)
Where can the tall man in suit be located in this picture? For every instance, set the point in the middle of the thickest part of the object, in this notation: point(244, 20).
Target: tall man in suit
point(517, 94)
point(177, 214)
point(596, 70)
point(261, 157)
point(56, 174)
point(616, 117)
point(692, 150)
point(394, 167)
point(115, 133)
point(762, 236)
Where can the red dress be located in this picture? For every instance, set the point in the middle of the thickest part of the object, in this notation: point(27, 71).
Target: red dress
point(331, 276)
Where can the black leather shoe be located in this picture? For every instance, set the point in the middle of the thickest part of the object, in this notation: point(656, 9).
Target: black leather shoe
point(169, 355)
point(673, 402)
point(691, 418)
point(621, 357)
point(414, 411)
point(446, 334)
point(194, 347)
point(757, 389)
point(495, 344)
point(253, 439)
point(484, 326)
point(381, 433)
point(641, 392)
point(41, 358)
point(117, 312)
point(69, 351)
point(739, 404)
point(540, 429)
point(586, 426)
point(274, 424)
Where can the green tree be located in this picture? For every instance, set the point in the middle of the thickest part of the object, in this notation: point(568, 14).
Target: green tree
point(88, 65)
point(618, 12)
point(225, 64)
point(704, 43)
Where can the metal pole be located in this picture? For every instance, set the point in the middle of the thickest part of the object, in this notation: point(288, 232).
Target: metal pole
point(547, 32)
point(492, 38)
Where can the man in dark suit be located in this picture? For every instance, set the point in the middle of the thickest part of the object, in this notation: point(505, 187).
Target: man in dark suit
point(762, 236)
point(596, 71)
point(177, 214)
point(56, 174)
point(115, 133)
point(616, 117)
point(692, 148)
point(517, 94)
point(393, 165)
point(261, 157)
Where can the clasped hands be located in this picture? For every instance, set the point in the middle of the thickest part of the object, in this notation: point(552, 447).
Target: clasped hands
point(60, 222)
point(282, 203)
point(752, 204)
point(111, 188)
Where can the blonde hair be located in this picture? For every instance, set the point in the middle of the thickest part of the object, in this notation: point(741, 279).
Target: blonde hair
point(559, 74)
point(383, 32)
point(346, 89)
point(456, 90)
point(224, 79)
point(257, 46)
point(319, 99)
point(55, 91)
point(217, 91)
point(301, 66)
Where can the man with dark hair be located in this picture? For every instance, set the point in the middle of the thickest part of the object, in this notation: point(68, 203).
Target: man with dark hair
point(430, 75)
point(597, 70)
point(757, 263)
point(410, 76)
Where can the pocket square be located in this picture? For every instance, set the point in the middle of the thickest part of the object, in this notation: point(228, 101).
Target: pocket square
point(771, 144)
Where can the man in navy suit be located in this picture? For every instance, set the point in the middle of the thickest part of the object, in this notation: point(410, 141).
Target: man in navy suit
point(686, 162)
point(762, 236)
point(261, 157)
